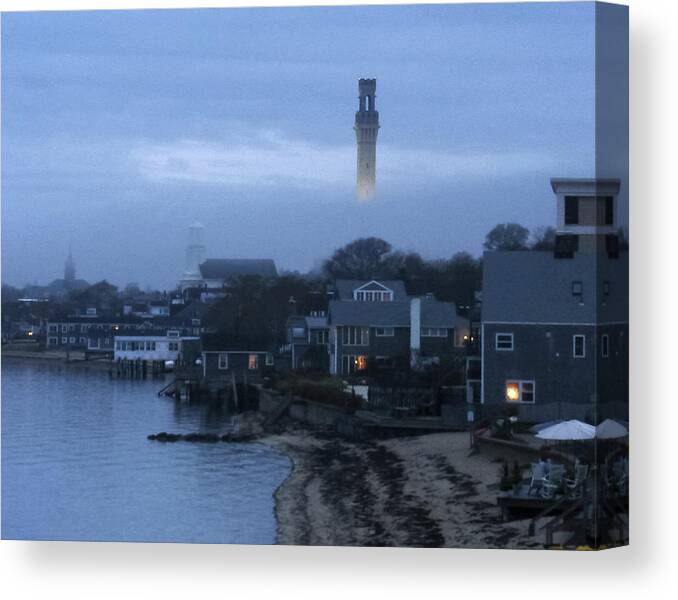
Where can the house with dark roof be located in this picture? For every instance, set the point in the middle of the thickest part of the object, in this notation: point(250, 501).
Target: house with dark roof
point(307, 339)
point(554, 328)
point(377, 323)
point(217, 274)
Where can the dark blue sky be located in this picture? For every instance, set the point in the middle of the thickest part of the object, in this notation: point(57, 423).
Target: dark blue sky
point(122, 128)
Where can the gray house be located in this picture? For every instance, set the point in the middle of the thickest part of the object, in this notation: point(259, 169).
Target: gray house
point(376, 323)
point(555, 324)
point(307, 341)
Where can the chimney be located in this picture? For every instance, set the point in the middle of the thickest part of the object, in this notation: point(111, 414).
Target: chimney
point(415, 330)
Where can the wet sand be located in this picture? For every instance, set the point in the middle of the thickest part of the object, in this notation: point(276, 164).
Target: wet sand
point(422, 491)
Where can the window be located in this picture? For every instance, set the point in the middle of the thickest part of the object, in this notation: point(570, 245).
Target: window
point(64, 328)
point(320, 336)
point(605, 345)
point(173, 346)
point(118, 345)
point(355, 336)
point(83, 340)
point(91, 312)
point(606, 288)
point(579, 346)
point(298, 332)
point(53, 328)
point(503, 341)
point(172, 333)
point(253, 362)
point(609, 210)
point(520, 391)
point(577, 289)
point(433, 332)
point(269, 359)
point(71, 340)
point(53, 341)
point(571, 210)
point(384, 331)
point(223, 360)
point(64, 340)
point(195, 322)
point(351, 363)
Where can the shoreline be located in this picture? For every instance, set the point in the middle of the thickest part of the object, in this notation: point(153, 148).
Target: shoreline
point(419, 491)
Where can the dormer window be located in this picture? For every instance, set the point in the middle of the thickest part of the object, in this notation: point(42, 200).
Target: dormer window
point(373, 292)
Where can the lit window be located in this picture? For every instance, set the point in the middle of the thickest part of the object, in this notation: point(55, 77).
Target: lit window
point(253, 362)
point(223, 360)
point(579, 346)
point(605, 345)
point(520, 391)
point(503, 341)
point(360, 363)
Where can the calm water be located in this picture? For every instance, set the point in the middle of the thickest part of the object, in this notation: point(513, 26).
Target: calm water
point(76, 464)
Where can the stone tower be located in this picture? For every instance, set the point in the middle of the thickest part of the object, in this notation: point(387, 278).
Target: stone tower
point(195, 256)
point(366, 129)
point(69, 270)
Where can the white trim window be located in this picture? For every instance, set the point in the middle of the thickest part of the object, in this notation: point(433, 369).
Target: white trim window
point(579, 346)
point(253, 362)
point(64, 340)
point(53, 328)
point(355, 336)
point(605, 345)
point(222, 361)
point(384, 331)
point(173, 346)
point(503, 342)
point(269, 359)
point(383, 294)
point(64, 328)
point(520, 390)
point(53, 341)
point(434, 332)
point(72, 340)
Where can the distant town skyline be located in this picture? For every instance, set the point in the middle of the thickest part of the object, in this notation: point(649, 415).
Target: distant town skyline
point(120, 128)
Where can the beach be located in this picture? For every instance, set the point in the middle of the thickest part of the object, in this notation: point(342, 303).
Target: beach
point(422, 491)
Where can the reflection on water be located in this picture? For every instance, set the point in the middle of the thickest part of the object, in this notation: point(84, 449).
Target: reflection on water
point(76, 464)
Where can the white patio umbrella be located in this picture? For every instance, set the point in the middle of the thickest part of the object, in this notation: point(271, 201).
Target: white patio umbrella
point(568, 430)
point(610, 429)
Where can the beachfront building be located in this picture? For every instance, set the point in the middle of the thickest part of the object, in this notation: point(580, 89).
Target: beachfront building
point(307, 342)
point(151, 347)
point(375, 324)
point(555, 323)
point(92, 333)
point(221, 359)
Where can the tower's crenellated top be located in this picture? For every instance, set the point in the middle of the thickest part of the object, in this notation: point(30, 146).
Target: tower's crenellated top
point(366, 129)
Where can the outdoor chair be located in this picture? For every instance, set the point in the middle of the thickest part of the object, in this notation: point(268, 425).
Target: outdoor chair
point(553, 482)
point(575, 487)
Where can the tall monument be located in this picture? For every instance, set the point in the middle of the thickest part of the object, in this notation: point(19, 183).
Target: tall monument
point(195, 256)
point(366, 130)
